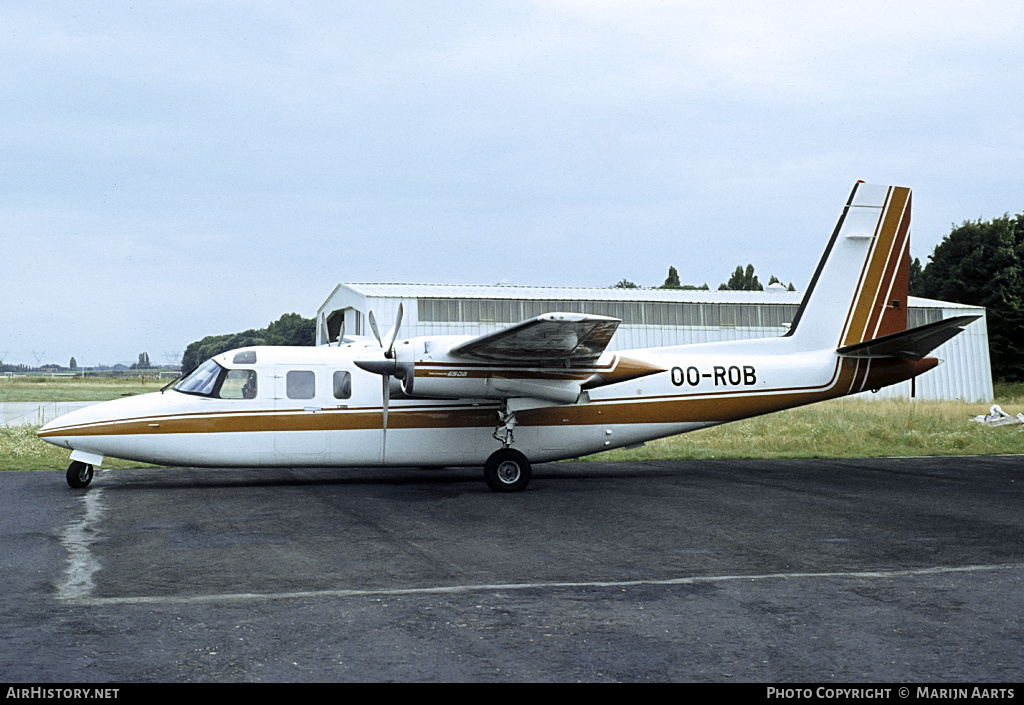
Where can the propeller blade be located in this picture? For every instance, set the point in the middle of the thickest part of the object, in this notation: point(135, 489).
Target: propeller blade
point(373, 327)
point(392, 335)
point(384, 427)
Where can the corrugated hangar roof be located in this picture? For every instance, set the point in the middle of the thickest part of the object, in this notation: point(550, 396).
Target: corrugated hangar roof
point(470, 291)
point(479, 291)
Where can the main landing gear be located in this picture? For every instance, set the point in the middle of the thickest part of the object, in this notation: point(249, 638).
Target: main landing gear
point(79, 474)
point(507, 470)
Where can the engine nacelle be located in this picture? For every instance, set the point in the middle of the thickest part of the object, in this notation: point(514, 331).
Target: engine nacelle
point(426, 370)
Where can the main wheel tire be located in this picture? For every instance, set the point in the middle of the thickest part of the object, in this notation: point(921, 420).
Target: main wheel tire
point(79, 474)
point(507, 470)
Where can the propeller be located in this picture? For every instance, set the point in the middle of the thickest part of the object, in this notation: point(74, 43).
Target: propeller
point(385, 368)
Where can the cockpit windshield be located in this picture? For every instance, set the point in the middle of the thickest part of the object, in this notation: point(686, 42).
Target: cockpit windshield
point(202, 380)
point(212, 380)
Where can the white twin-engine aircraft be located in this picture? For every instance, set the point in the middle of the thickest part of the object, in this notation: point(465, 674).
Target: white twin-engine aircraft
point(540, 390)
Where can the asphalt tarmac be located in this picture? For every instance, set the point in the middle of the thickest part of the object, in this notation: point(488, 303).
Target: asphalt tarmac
point(883, 570)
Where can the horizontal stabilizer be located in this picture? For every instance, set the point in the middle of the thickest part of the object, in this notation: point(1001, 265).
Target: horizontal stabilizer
point(913, 344)
point(563, 339)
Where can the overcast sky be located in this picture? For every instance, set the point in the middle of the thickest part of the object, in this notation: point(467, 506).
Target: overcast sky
point(171, 170)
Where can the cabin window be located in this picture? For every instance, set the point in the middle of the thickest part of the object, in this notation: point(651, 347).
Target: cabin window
point(342, 385)
point(246, 357)
point(300, 384)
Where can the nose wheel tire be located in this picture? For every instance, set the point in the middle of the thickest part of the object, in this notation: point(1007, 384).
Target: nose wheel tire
point(79, 474)
point(507, 470)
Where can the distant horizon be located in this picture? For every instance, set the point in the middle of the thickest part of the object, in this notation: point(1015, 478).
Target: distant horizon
point(102, 367)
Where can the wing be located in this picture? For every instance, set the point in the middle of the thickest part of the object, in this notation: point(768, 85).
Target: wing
point(912, 344)
point(553, 358)
point(553, 339)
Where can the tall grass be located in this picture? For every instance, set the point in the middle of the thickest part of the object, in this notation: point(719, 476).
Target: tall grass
point(842, 428)
point(21, 449)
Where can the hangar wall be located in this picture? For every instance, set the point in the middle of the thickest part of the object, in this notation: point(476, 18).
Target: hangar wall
point(650, 318)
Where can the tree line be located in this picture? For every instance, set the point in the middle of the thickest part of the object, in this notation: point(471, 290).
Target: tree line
point(981, 263)
point(289, 329)
point(742, 279)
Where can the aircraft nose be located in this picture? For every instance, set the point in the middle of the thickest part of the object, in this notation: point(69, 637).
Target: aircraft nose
point(56, 430)
point(51, 431)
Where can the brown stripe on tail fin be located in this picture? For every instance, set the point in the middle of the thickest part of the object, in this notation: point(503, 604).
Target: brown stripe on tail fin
point(859, 289)
point(880, 306)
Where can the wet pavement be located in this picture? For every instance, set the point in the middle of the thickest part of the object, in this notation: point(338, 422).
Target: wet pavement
point(881, 570)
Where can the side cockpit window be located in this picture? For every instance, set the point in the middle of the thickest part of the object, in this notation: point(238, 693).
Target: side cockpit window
point(238, 384)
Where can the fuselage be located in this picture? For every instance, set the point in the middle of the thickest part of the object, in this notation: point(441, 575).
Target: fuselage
point(312, 406)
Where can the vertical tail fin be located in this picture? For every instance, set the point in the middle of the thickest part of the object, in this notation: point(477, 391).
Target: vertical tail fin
point(859, 290)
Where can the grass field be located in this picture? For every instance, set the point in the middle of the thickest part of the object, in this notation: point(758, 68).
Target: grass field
point(75, 388)
point(843, 428)
point(849, 428)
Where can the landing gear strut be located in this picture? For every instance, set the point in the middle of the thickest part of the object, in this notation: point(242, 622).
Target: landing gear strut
point(504, 432)
point(507, 470)
point(79, 474)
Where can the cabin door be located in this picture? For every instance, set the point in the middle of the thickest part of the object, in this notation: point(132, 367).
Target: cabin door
point(298, 398)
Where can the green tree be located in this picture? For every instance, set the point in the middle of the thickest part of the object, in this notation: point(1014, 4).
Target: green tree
point(915, 277)
point(291, 329)
point(624, 284)
point(672, 280)
point(982, 264)
point(775, 280)
point(73, 365)
point(742, 280)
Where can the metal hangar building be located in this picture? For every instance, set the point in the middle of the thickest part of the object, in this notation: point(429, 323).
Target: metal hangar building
point(650, 318)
